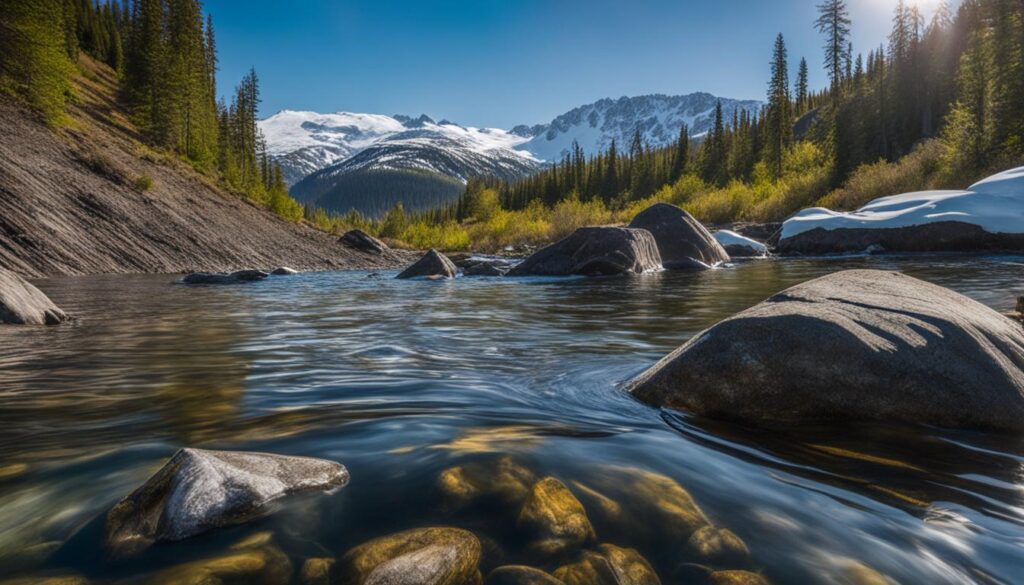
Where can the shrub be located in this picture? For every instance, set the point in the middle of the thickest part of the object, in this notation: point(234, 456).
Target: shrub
point(918, 171)
point(572, 214)
point(446, 236)
point(143, 183)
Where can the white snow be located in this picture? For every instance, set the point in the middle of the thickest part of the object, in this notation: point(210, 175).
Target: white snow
point(996, 204)
point(731, 238)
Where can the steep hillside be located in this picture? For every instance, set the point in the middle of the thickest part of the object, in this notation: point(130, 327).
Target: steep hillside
point(91, 198)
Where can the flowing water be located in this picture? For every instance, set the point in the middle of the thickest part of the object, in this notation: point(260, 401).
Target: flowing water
point(400, 380)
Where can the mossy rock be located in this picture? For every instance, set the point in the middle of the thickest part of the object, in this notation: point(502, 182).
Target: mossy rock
point(47, 579)
point(520, 575)
point(717, 545)
point(316, 571)
point(423, 556)
point(502, 481)
point(554, 519)
point(609, 565)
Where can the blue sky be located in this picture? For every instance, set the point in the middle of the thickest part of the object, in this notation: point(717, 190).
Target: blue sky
point(503, 62)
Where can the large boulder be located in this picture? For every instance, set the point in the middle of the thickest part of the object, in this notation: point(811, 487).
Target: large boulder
point(595, 251)
point(854, 345)
point(422, 556)
point(198, 490)
point(23, 304)
point(989, 215)
point(433, 264)
point(682, 241)
point(362, 241)
point(224, 277)
point(740, 246)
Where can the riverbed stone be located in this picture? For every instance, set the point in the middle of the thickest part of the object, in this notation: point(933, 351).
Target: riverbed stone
point(520, 575)
point(609, 565)
point(853, 345)
point(23, 304)
point(737, 578)
point(683, 242)
point(199, 490)
point(499, 480)
point(422, 556)
point(360, 240)
point(266, 565)
point(659, 510)
point(316, 571)
point(595, 251)
point(224, 277)
point(47, 579)
point(717, 545)
point(432, 264)
point(555, 519)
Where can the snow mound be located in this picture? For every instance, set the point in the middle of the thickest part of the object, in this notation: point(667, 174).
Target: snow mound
point(730, 238)
point(995, 204)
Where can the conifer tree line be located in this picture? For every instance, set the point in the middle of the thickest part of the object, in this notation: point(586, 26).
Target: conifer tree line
point(165, 54)
point(957, 77)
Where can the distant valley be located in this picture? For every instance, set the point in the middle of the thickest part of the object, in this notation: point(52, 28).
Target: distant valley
point(370, 162)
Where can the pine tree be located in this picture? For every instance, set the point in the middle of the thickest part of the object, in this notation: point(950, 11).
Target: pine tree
point(780, 127)
point(802, 88)
point(34, 54)
point(834, 22)
point(681, 156)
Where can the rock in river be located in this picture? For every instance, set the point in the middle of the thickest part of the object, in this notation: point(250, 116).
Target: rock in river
point(595, 251)
point(198, 490)
point(23, 304)
point(432, 264)
point(609, 565)
point(502, 481)
point(423, 556)
point(284, 271)
point(520, 575)
point(360, 240)
point(224, 277)
point(555, 519)
point(853, 345)
point(739, 246)
point(682, 241)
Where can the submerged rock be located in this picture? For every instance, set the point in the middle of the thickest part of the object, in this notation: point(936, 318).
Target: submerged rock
point(48, 579)
point(198, 490)
point(503, 481)
point(520, 575)
point(316, 571)
point(717, 545)
point(737, 578)
point(684, 243)
point(360, 240)
point(854, 345)
point(555, 519)
point(486, 269)
point(284, 271)
point(659, 511)
point(265, 565)
point(224, 277)
point(424, 556)
point(432, 264)
point(609, 565)
point(23, 304)
point(595, 251)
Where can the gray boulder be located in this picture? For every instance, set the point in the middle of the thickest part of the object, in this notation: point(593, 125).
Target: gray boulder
point(199, 490)
point(362, 241)
point(432, 264)
point(283, 271)
point(486, 269)
point(854, 345)
point(23, 304)
point(683, 242)
point(224, 277)
point(595, 251)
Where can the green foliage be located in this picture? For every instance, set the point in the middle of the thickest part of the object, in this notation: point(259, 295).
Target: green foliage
point(143, 183)
point(921, 169)
point(34, 55)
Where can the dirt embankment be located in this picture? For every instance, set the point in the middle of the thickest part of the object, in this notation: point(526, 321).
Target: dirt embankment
point(91, 198)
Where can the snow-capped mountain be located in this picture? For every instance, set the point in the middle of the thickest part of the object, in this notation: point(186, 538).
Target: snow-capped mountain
point(659, 118)
point(369, 162)
point(306, 142)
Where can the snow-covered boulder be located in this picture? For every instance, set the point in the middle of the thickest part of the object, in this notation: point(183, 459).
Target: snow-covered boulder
point(989, 215)
point(198, 490)
point(853, 345)
point(740, 246)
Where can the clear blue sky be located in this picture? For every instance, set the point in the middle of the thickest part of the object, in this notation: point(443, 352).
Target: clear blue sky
point(506, 62)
